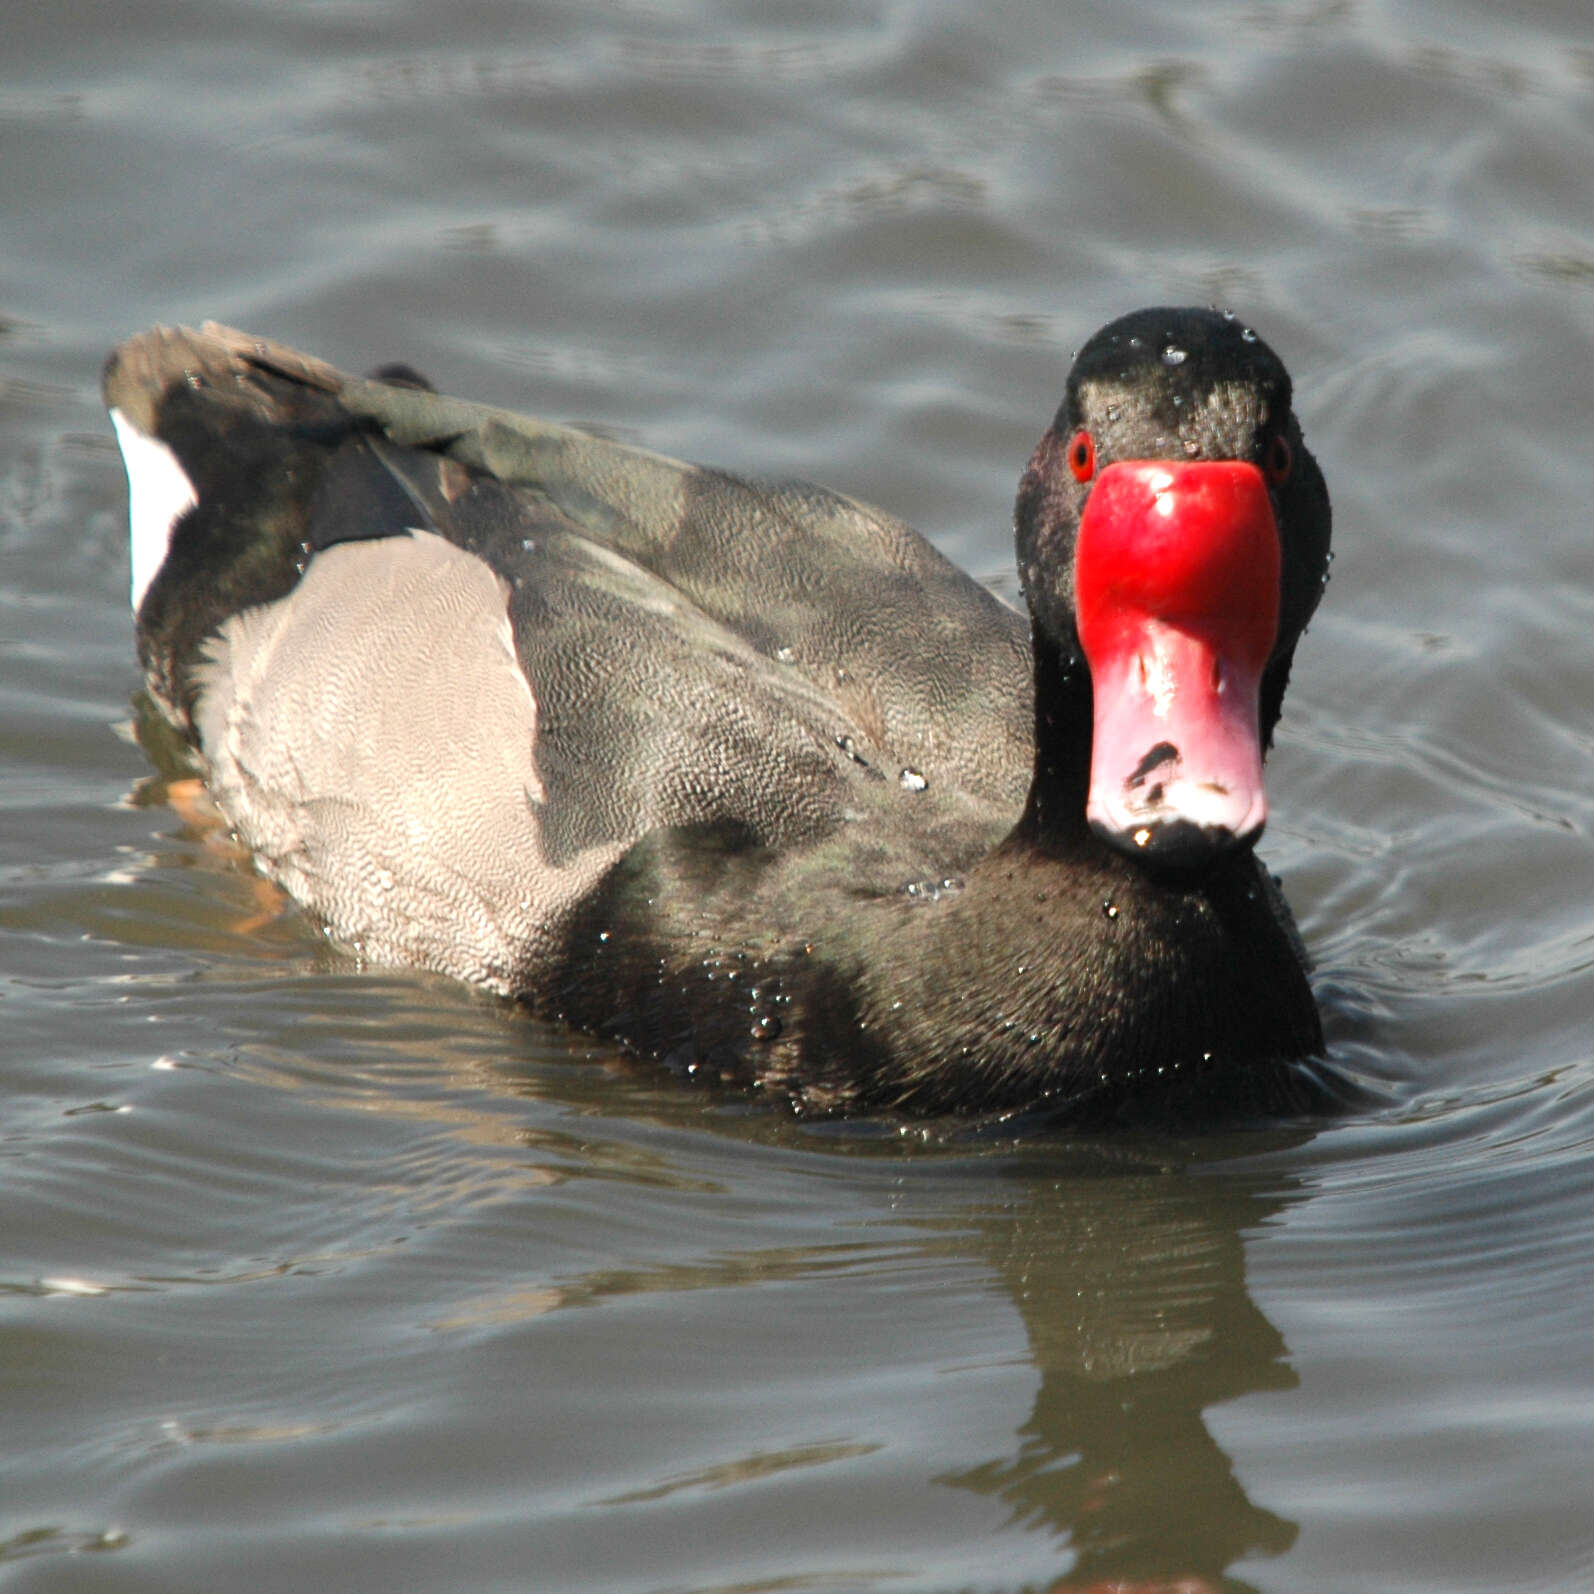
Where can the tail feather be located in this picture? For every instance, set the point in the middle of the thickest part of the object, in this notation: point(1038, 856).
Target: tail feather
point(227, 441)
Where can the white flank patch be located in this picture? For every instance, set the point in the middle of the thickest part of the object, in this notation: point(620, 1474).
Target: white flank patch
point(159, 494)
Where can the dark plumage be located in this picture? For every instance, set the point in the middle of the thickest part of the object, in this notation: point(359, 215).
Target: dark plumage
point(743, 774)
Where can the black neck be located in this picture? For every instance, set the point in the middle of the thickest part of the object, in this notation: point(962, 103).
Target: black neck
point(1055, 811)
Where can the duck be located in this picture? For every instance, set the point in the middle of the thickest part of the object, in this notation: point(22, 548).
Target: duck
point(743, 776)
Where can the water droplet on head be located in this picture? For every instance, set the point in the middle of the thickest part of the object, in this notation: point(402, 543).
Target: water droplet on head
point(1110, 908)
point(912, 780)
point(1247, 335)
point(1172, 354)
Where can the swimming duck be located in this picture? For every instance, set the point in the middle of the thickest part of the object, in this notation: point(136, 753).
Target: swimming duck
point(744, 775)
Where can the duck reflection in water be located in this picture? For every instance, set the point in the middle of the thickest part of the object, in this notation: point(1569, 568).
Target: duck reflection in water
point(1131, 1282)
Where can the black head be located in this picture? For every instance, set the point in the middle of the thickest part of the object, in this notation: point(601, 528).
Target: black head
point(1164, 409)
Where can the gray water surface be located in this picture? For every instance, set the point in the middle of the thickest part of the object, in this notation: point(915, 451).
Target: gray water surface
point(316, 1276)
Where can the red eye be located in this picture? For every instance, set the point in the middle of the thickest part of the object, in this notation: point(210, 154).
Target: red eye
point(1082, 456)
point(1280, 459)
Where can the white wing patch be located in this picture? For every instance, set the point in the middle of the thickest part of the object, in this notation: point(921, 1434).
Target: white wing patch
point(159, 494)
